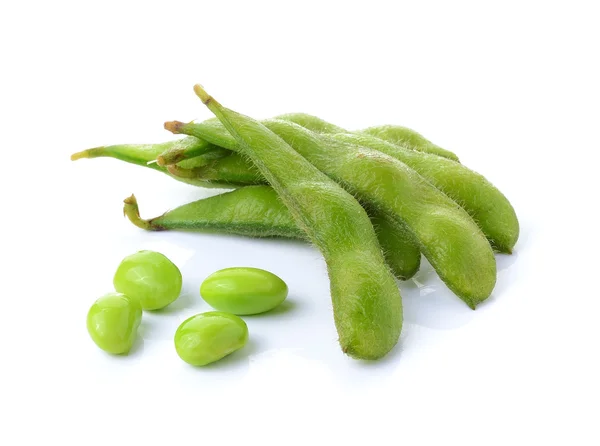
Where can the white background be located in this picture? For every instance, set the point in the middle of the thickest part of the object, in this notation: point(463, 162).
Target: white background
point(512, 87)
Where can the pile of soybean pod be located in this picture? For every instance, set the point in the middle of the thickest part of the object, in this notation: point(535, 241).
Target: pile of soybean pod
point(372, 201)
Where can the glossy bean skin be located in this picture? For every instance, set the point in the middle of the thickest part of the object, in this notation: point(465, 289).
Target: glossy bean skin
point(208, 337)
point(113, 321)
point(366, 300)
point(256, 211)
point(243, 290)
point(150, 277)
point(446, 234)
point(392, 133)
point(490, 209)
point(220, 168)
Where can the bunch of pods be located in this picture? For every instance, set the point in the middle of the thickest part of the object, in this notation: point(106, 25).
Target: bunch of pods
point(372, 201)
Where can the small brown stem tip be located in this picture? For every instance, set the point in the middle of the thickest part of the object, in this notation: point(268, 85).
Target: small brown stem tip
point(202, 94)
point(173, 126)
point(130, 200)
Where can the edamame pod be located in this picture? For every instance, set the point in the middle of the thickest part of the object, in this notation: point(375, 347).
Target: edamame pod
point(447, 235)
point(256, 211)
point(219, 165)
point(408, 138)
point(366, 301)
point(490, 209)
point(233, 169)
point(399, 243)
point(264, 213)
point(392, 133)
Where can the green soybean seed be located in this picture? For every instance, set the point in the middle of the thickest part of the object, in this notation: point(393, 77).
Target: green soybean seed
point(208, 337)
point(112, 322)
point(243, 290)
point(149, 277)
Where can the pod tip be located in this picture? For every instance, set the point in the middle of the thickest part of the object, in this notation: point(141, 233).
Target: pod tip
point(90, 153)
point(173, 126)
point(80, 155)
point(202, 94)
point(130, 200)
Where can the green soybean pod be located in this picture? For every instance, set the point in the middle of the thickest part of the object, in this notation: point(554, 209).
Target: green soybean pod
point(406, 137)
point(393, 133)
point(113, 321)
point(253, 211)
point(401, 249)
point(150, 277)
point(208, 337)
point(232, 169)
point(490, 209)
point(257, 211)
point(243, 290)
point(446, 233)
point(366, 300)
point(238, 213)
point(220, 168)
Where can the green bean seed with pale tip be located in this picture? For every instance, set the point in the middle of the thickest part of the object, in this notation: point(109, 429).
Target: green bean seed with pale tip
point(243, 290)
point(112, 322)
point(150, 277)
point(208, 337)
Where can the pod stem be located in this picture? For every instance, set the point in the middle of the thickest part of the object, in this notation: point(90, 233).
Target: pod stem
point(132, 212)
